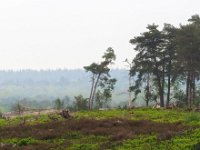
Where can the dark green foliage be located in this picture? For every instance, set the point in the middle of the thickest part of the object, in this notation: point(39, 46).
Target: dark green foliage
point(197, 98)
point(165, 57)
point(1, 115)
point(104, 95)
point(101, 77)
point(180, 97)
point(192, 118)
point(26, 141)
point(80, 103)
point(170, 58)
point(196, 147)
point(59, 104)
point(99, 99)
point(188, 50)
point(149, 61)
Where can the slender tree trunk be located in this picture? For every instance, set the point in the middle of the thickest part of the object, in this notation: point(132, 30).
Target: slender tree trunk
point(148, 90)
point(190, 93)
point(161, 95)
point(191, 84)
point(163, 86)
point(147, 103)
point(94, 91)
point(162, 103)
point(194, 84)
point(129, 92)
point(168, 84)
point(193, 87)
point(91, 92)
point(160, 88)
point(189, 89)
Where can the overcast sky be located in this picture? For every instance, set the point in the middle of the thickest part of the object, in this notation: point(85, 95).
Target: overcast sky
point(50, 34)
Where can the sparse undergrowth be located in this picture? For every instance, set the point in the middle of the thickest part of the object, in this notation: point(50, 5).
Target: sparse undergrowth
point(157, 115)
point(112, 129)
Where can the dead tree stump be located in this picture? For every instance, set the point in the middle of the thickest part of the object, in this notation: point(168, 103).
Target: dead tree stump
point(65, 113)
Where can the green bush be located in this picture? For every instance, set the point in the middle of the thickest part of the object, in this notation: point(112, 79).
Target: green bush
point(2, 122)
point(1, 114)
point(192, 118)
point(19, 142)
point(26, 141)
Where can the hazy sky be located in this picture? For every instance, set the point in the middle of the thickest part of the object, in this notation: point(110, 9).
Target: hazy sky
point(49, 34)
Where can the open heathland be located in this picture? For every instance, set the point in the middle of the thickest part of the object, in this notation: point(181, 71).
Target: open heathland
point(141, 128)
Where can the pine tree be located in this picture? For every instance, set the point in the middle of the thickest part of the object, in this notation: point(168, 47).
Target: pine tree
point(99, 72)
point(149, 60)
point(188, 44)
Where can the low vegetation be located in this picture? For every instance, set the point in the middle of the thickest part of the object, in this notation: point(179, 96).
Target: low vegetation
point(141, 128)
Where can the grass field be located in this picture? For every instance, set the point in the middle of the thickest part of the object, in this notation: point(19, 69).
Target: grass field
point(138, 129)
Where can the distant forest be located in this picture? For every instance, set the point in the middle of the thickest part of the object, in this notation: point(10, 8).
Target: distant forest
point(41, 88)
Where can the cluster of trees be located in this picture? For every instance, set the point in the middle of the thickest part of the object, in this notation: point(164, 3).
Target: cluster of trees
point(165, 58)
point(102, 83)
point(80, 103)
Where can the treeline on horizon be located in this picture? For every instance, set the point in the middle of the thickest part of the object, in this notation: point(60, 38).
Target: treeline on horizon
point(167, 64)
point(57, 76)
point(39, 89)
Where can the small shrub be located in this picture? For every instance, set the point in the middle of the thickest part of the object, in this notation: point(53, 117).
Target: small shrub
point(26, 141)
point(1, 115)
point(3, 122)
point(193, 117)
point(19, 142)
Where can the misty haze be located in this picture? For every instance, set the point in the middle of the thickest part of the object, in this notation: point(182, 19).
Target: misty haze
point(99, 75)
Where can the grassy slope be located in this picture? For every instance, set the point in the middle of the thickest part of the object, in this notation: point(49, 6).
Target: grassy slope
point(78, 136)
